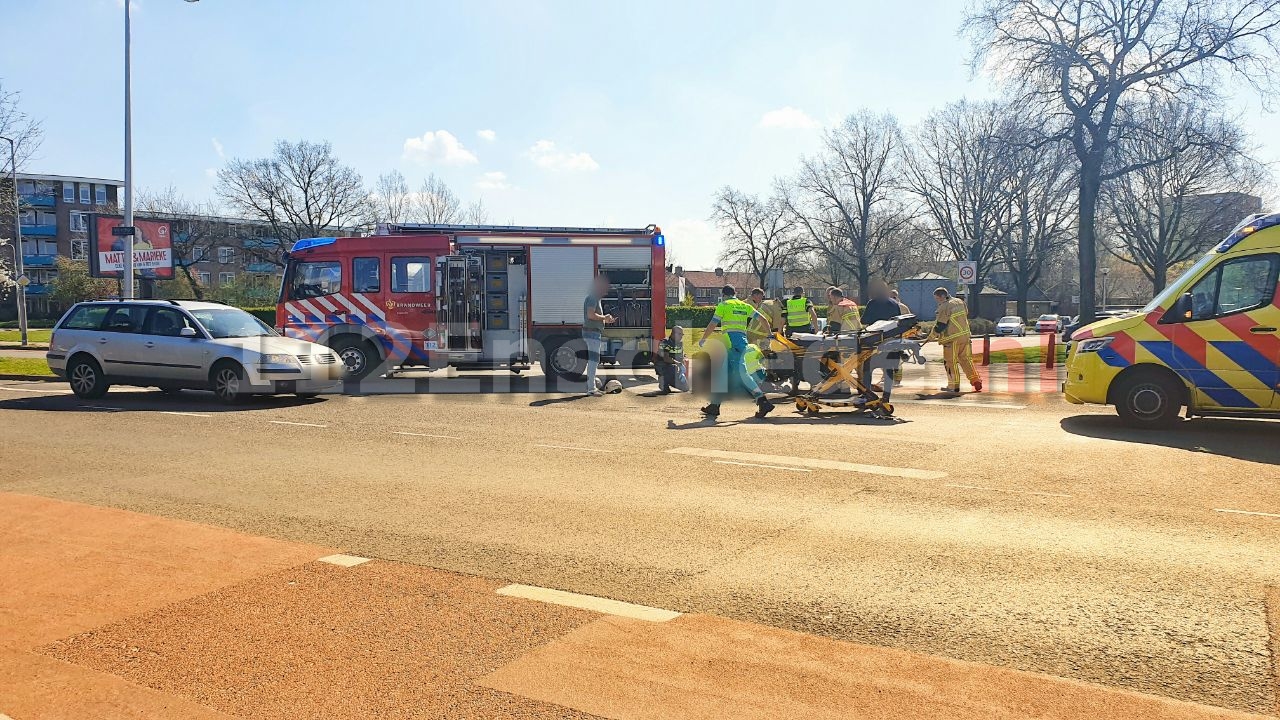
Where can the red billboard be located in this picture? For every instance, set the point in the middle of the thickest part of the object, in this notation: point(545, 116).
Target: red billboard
point(152, 248)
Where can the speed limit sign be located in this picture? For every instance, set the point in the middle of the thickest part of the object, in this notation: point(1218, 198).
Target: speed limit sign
point(968, 272)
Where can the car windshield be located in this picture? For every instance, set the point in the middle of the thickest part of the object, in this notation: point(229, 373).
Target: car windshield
point(231, 323)
point(1175, 287)
point(1010, 319)
point(1048, 317)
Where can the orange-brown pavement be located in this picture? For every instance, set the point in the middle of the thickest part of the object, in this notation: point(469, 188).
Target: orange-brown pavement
point(112, 614)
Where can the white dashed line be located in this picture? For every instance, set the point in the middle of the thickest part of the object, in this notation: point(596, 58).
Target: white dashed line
point(427, 435)
point(33, 390)
point(588, 602)
point(1003, 490)
point(570, 447)
point(816, 463)
point(297, 424)
point(965, 403)
point(770, 467)
point(1247, 512)
point(184, 414)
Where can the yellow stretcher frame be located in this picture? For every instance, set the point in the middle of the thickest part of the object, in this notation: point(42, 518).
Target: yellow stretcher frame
point(849, 370)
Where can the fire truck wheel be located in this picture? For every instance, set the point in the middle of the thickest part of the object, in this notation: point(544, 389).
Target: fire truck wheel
point(357, 355)
point(566, 358)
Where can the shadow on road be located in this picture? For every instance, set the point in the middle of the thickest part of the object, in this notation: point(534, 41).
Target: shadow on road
point(782, 419)
point(186, 402)
point(1252, 440)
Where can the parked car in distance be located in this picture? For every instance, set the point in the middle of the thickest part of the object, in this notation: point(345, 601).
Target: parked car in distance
point(179, 344)
point(1049, 324)
point(1011, 325)
point(1070, 323)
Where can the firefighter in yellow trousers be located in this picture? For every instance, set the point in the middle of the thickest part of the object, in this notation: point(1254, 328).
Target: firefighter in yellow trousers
point(951, 330)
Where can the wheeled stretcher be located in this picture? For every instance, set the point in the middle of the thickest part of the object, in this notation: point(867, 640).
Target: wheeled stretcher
point(884, 345)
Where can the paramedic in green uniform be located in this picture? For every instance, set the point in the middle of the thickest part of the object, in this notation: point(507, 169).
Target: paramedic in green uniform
point(732, 316)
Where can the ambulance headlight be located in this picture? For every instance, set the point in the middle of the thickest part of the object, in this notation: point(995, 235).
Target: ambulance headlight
point(279, 359)
point(1093, 345)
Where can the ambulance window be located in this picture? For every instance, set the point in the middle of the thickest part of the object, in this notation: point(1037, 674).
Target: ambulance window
point(410, 275)
point(313, 279)
point(1235, 286)
point(364, 275)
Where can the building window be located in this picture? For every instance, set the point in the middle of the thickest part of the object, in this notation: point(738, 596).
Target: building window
point(84, 193)
point(79, 249)
point(199, 254)
point(225, 278)
point(79, 222)
point(203, 277)
point(26, 188)
point(100, 195)
point(226, 255)
point(68, 192)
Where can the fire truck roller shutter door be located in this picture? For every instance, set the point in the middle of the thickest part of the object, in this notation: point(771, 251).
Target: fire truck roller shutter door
point(561, 280)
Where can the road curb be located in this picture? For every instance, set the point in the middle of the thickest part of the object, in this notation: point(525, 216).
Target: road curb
point(35, 378)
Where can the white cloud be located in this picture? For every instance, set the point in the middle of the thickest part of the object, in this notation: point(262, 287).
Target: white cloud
point(211, 172)
point(438, 147)
point(496, 180)
point(217, 147)
point(788, 118)
point(487, 135)
point(547, 156)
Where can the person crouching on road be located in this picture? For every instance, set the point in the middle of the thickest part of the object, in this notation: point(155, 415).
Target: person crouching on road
point(801, 317)
point(732, 316)
point(670, 363)
point(842, 313)
point(951, 329)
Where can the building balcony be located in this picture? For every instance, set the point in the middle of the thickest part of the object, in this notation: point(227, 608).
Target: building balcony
point(49, 230)
point(44, 200)
point(259, 243)
point(38, 289)
point(39, 261)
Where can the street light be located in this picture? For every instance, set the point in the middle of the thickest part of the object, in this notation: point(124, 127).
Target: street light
point(1106, 271)
point(126, 281)
point(21, 293)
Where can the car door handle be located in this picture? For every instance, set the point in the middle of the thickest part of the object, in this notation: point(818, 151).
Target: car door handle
point(102, 340)
point(1262, 330)
point(149, 344)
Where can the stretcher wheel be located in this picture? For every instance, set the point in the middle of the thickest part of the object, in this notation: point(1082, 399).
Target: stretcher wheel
point(800, 405)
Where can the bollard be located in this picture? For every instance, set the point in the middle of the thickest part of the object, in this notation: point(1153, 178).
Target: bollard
point(1052, 353)
point(986, 350)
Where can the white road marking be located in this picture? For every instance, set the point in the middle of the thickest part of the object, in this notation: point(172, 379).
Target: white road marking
point(1003, 490)
point(1247, 512)
point(413, 434)
point(184, 414)
point(588, 602)
point(298, 424)
point(771, 467)
point(570, 447)
point(343, 560)
point(33, 390)
point(965, 403)
point(820, 464)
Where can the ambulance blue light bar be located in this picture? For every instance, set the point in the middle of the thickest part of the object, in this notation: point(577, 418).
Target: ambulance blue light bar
point(308, 243)
point(1247, 227)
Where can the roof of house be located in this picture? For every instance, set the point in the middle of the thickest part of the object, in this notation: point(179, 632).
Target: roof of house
point(69, 178)
point(928, 276)
point(708, 278)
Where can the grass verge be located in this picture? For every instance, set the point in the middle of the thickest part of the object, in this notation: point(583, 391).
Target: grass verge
point(33, 336)
point(24, 366)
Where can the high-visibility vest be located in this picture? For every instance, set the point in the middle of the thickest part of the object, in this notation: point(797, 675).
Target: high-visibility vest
point(955, 313)
point(845, 312)
point(734, 315)
point(752, 359)
point(798, 312)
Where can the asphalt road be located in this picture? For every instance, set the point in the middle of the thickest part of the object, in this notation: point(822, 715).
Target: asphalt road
point(1008, 529)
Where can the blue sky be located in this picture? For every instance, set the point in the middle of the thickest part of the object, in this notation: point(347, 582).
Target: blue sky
point(599, 112)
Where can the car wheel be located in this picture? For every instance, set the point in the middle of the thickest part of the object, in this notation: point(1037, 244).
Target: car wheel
point(227, 383)
point(358, 357)
point(86, 379)
point(566, 359)
point(1149, 401)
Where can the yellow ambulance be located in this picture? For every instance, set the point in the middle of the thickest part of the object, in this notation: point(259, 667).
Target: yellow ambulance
point(1210, 342)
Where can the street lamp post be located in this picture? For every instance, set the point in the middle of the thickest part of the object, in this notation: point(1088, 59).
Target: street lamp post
point(1106, 272)
point(126, 284)
point(21, 292)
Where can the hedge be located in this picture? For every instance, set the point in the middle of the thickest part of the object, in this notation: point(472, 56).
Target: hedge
point(265, 314)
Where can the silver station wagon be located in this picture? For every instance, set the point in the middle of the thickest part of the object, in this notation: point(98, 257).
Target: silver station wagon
point(177, 344)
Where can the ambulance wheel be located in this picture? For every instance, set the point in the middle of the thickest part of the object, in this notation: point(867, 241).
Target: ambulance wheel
point(1149, 400)
point(566, 359)
point(357, 355)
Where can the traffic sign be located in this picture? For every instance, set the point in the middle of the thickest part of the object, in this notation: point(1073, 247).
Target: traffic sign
point(124, 230)
point(23, 280)
point(967, 272)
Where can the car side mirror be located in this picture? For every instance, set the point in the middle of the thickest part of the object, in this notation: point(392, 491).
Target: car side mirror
point(1182, 310)
point(188, 332)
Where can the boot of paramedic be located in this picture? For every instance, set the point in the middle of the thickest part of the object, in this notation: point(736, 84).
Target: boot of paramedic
point(951, 329)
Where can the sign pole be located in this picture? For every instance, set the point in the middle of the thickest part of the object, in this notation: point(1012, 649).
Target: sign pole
point(126, 277)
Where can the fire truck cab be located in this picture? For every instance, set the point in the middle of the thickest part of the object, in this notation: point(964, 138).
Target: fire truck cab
point(475, 296)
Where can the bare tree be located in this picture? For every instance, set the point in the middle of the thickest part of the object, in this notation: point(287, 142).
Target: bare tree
point(758, 234)
point(1083, 59)
point(302, 190)
point(436, 203)
point(16, 125)
point(1191, 183)
point(476, 213)
point(956, 165)
point(391, 201)
point(196, 229)
point(847, 199)
point(1039, 179)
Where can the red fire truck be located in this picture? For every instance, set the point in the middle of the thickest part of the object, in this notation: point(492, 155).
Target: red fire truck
point(475, 296)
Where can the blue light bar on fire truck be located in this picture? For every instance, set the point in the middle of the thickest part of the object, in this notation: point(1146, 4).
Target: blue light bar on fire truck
point(308, 243)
